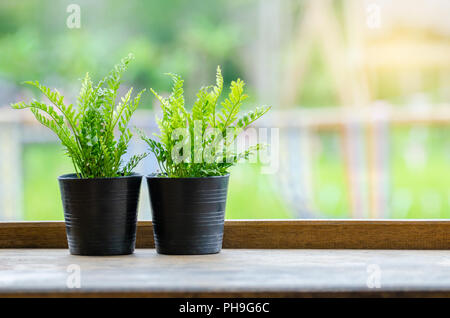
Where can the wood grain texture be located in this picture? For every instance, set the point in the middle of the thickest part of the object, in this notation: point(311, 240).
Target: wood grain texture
point(232, 273)
point(335, 234)
point(268, 234)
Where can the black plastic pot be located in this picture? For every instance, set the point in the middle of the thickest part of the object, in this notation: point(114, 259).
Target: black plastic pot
point(188, 214)
point(100, 214)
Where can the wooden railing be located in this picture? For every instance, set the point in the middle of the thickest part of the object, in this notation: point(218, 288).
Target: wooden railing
point(365, 159)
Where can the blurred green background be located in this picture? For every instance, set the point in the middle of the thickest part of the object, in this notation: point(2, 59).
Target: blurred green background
point(191, 38)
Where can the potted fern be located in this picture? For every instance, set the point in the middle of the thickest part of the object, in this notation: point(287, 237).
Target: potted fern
point(195, 150)
point(100, 199)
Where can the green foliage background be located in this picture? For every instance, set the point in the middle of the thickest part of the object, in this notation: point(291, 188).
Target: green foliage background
point(191, 38)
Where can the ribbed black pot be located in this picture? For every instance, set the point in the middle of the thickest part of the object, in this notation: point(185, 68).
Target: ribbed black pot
point(100, 214)
point(188, 214)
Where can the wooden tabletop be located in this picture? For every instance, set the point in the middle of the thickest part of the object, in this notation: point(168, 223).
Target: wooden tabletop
point(233, 272)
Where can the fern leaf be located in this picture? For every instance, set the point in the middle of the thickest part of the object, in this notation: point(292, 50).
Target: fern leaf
point(231, 106)
point(214, 96)
point(58, 100)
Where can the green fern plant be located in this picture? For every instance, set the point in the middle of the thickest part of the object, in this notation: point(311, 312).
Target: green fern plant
point(199, 143)
point(87, 130)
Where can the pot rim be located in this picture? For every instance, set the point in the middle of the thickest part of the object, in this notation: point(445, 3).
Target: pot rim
point(73, 176)
point(156, 176)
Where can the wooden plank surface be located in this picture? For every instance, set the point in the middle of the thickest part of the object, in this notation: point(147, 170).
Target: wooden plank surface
point(233, 272)
point(317, 234)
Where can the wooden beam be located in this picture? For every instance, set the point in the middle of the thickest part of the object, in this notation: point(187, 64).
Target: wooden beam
point(232, 273)
point(323, 118)
point(268, 234)
point(230, 294)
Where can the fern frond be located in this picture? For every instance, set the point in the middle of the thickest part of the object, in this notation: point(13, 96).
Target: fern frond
point(121, 109)
point(210, 152)
point(176, 101)
point(87, 132)
point(201, 109)
point(55, 121)
point(177, 96)
point(128, 109)
point(250, 117)
point(132, 163)
point(163, 101)
point(113, 79)
point(58, 100)
point(232, 105)
point(214, 96)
